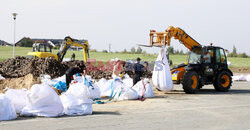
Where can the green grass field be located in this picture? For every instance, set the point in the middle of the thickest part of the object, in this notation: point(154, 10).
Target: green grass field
point(6, 52)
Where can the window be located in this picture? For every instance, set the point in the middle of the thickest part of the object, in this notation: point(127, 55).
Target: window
point(222, 56)
point(208, 56)
point(195, 56)
point(218, 55)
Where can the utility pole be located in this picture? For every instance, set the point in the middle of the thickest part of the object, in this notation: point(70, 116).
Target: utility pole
point(14, 17)
point(109, 47)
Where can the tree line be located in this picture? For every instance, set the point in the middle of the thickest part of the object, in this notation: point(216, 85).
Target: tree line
point(28, 43)
point(235, 54)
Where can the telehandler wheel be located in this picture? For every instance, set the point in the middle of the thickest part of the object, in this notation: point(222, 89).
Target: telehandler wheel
point(223, 81)
point(190, 82)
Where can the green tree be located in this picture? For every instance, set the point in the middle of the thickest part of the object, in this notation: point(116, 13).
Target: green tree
point(124, 51)
point(181, 52)
point(234, 53)
point(177, 52)
point(243, 55)
point(139, 50)
point(170, 50)
point(104, 51)
point(234, 50)
point(26, 42)
point(132, 50)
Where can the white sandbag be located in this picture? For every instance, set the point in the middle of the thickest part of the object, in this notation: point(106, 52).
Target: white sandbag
point(1, 77)
point(110, 87)
point(144, 89)
point(18, 98)
point(7, 110)
point(128, 81)
point(94, 89)
point(126, 93)
point(42, 101)
point(161, 77)
point(102, 82)
point(76, 101)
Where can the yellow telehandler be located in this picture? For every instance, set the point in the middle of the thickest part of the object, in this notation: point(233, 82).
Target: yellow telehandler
point(206, 64)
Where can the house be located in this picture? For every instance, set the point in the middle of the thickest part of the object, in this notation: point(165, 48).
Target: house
point(55, 42)
point(4, 43)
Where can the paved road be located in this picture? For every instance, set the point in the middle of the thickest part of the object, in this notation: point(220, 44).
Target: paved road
point(206, 110)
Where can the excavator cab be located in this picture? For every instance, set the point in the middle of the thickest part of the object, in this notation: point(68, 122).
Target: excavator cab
point(40, 50)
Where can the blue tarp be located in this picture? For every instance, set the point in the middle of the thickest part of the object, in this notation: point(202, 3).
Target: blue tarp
point(61, 85)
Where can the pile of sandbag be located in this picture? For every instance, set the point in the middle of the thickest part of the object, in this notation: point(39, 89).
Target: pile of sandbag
point(77, 100)
point(42, 100)
point(161, 77)
point(119, 89)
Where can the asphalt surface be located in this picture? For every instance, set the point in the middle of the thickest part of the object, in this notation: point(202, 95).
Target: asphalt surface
point(207, 109)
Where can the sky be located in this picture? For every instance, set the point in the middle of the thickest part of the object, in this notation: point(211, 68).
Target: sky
point(126, 23)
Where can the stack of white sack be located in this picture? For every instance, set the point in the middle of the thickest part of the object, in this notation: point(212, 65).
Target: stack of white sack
point(77, 100)
point(42, 101)
point(18, 98)
point(7, 110)
point(124, 89)
point(161, 77)
point(142, 89)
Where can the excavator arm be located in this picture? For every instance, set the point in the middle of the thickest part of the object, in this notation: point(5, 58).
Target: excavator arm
point(164, 38)
point(68, 41)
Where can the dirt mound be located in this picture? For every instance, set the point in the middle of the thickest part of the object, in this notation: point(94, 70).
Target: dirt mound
point(19, 83)
point(21, 66)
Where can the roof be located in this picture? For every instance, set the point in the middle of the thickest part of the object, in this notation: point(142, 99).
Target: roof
point(2, 42)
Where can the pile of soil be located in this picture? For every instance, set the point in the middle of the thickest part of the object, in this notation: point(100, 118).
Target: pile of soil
point(22, 66)
point(19, 83)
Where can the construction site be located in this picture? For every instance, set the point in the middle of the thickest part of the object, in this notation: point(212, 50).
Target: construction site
point(177, 78)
